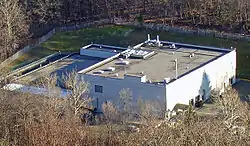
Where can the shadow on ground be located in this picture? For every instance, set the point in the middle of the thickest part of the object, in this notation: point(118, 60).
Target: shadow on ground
point(243, 88)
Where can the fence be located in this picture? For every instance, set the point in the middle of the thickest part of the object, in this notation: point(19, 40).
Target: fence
point(27, 48)
point(153, 26)
point(185, 30)
point(49, 35)
point(83, 25)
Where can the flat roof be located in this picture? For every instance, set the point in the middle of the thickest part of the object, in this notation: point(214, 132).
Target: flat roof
point(155, 61)
point(160, 65)
point(75, 62)
point(95, 53)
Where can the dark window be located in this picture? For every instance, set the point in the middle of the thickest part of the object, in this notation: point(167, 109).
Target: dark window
point(98, 89)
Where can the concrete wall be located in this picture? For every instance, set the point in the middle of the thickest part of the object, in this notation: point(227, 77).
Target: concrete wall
point(112, 87)
point(211, 76)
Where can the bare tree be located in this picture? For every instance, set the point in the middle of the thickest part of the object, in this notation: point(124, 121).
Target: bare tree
point(47, 10)
point(236, 115)
point(49, 82)
point(150, 110)
point(14, 27)
point(78, 96)
point(27, 119)
point(126, 100)
point(110, 111)
point(125, 104)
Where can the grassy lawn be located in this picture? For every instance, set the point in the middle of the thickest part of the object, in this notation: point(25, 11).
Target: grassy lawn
point(33, 55)
point(124, 36)
point(111, 35)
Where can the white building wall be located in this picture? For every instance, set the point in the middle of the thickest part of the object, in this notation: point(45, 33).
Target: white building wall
point(217, 72)
point(112, 87)
point(193, 84)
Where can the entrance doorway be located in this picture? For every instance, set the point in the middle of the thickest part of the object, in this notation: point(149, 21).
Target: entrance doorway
point(203, 95)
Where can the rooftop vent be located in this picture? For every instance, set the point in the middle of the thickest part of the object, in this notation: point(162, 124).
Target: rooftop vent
point(137, 53)
point(149, 37)
point(110, 69)
point(128, 52)
point(158, 42)
point(124, 62)
point(116, 75)
point(191, 55)
point(150, 44)
point(172, 46)
point(158, 39)
point(166, 80)
point(99, 72)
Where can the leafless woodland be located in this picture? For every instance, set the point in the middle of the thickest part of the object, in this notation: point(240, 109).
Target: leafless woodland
point(28, 119)
point(22, 20)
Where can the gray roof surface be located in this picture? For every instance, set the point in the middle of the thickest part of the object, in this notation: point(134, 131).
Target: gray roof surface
point(161, 65)
point(75, 62)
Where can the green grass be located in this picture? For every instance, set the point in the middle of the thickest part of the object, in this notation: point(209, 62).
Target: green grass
point(73, 40)
point(33, 55)
point(124, 36)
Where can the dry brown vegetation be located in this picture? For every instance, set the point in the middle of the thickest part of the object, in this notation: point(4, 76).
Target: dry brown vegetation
point(23, 18)
point(27, 119)
point(14, 27)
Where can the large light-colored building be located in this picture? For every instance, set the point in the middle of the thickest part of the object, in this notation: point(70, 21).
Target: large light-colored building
point(166, 72)
point(154, 70)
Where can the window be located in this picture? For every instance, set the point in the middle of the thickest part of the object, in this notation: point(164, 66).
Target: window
point(98, 89)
